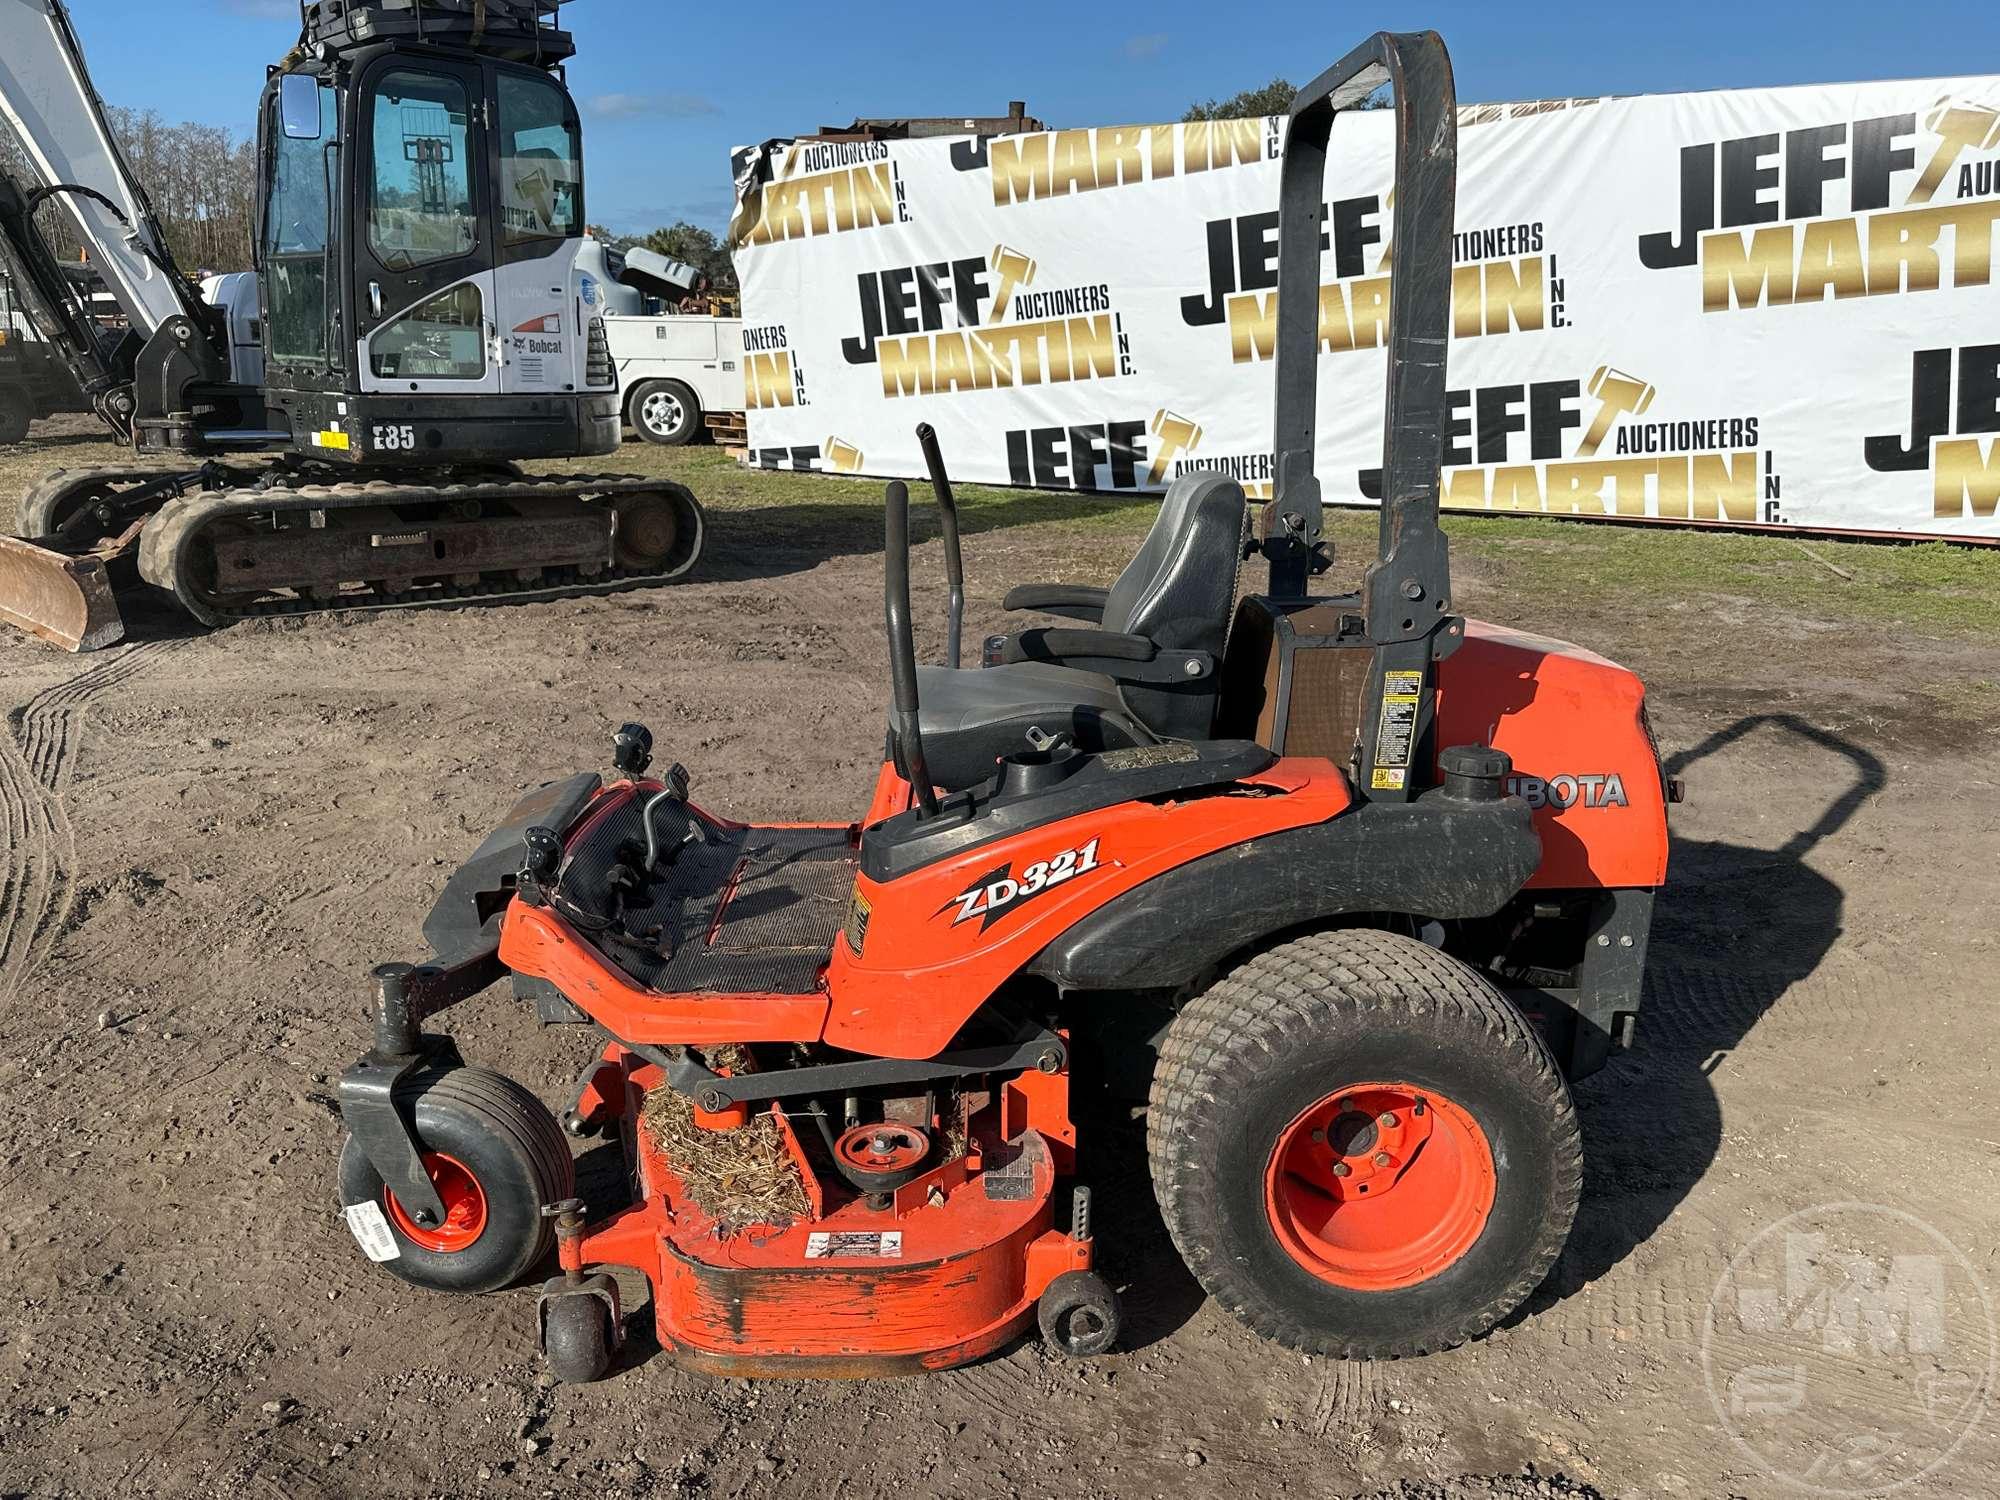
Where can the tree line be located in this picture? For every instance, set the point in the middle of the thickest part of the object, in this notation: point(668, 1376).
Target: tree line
point(202, 180)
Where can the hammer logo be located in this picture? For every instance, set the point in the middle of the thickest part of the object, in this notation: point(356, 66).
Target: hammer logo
point(1176, 435)
point(1959, 127)
point(1618, 395)
point(1013, 271)
point(842, 457)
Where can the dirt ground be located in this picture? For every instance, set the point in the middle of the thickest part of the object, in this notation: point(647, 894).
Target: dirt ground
point(211, 837)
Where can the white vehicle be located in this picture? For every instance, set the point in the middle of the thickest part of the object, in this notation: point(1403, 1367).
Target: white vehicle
point(674, 369)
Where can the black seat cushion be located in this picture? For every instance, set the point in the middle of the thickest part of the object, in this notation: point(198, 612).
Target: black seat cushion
point(973, 716)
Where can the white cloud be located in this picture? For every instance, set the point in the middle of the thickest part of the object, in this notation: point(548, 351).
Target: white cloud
point(639, 106)
point(1142, 48)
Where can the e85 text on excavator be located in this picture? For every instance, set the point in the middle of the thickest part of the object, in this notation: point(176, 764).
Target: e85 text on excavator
point(1281, 865)
point(351, 415)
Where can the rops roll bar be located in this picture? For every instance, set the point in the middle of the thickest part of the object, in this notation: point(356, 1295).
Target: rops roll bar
point(1406, 592)
point(954, 565)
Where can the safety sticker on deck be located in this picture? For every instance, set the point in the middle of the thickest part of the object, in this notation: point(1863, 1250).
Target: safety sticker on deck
point(883, 1246)
point(370, 1228)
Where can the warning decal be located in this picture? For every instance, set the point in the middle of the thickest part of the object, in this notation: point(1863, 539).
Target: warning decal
point(884, 1246)
point(1396, 736)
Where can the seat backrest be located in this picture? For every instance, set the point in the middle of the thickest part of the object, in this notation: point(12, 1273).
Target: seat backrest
point(1180, 586)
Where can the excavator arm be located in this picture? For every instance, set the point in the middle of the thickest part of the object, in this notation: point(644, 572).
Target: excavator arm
point(174, 346)
point(59, 312)
point(176, 340)
point(46, 96)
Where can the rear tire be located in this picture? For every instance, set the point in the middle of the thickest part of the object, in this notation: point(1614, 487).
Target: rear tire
point(14, 418)
point(500, 1153)
point(1260, 1074)
point(665, 412)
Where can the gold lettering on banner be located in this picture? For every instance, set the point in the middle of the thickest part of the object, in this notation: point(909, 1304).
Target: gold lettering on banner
point(1700, 487)
point(1967, 477)
point(1489, 298)
point(1875, 255)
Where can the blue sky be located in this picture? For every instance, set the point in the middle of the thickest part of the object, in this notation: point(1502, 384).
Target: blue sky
point(663, 104)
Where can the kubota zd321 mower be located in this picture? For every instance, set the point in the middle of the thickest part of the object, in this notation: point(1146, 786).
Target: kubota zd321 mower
point(1371, 877)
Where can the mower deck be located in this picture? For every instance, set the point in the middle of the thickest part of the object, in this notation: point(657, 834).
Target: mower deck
point(941, 1271)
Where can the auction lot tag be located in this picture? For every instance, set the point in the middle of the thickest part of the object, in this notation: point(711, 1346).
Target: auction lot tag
point(370, 1228)
point(886, 1246)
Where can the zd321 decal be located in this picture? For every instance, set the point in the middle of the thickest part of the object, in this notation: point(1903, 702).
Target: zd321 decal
point(1000, 890)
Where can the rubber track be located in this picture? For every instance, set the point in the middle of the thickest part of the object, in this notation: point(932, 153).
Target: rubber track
point(35, 516)
point(1347, 978)
point(165, 546)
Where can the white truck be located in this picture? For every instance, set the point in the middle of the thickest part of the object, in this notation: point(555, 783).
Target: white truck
point(678, 371)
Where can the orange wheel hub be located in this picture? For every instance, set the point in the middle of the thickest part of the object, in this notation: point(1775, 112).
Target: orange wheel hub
point(464, 1207)
point(1379, 1186)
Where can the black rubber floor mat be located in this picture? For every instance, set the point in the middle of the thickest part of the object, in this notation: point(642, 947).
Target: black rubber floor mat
point(745, 910)
point(782, 899)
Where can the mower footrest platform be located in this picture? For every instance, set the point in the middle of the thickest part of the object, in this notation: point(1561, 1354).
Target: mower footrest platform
point(734, 910)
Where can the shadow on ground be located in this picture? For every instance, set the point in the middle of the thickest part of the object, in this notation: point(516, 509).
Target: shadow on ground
point(1735, 929)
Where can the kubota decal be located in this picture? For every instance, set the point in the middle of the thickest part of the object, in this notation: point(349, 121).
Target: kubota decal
point(1564, 792)
point(999, 890)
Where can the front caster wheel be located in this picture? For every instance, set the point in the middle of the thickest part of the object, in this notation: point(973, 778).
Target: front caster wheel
point(1361, 1148)
point(1079, 1314)
point(496, 1155)
point(579, 1327)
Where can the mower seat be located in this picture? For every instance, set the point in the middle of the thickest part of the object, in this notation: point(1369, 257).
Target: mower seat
point(970, 718)
point(1158, 631)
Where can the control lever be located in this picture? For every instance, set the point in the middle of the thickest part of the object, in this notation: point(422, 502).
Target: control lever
point(673, 788)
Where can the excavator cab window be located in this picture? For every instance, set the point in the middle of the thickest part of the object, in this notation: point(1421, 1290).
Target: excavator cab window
point(541, 161)
point(296, 224)
point(421, 205)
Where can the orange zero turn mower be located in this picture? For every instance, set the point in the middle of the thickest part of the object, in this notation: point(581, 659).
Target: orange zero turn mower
point(1361, 883)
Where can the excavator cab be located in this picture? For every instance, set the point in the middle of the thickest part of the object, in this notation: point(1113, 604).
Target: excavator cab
point(418, 321)
point(421, 175)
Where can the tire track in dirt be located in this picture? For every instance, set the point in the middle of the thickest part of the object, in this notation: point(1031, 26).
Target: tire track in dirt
point(47, 727)
point(1348, 1397)
point(39, 860)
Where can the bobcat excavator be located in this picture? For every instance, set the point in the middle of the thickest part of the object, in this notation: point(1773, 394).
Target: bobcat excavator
point(346, 420)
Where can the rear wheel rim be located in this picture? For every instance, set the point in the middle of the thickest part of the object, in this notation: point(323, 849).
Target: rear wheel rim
point(1379, 1186)
point(464, 1207)
point(661, 412)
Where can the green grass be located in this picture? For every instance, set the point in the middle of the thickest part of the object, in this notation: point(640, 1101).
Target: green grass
point(1932, 588)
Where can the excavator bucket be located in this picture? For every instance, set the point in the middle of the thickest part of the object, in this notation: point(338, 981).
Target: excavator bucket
point(63, 599)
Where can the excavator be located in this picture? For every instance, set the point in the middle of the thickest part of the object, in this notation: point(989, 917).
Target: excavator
point(343, 427)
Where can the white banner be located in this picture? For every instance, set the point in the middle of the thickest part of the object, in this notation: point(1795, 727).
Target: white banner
point(1766, 307)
